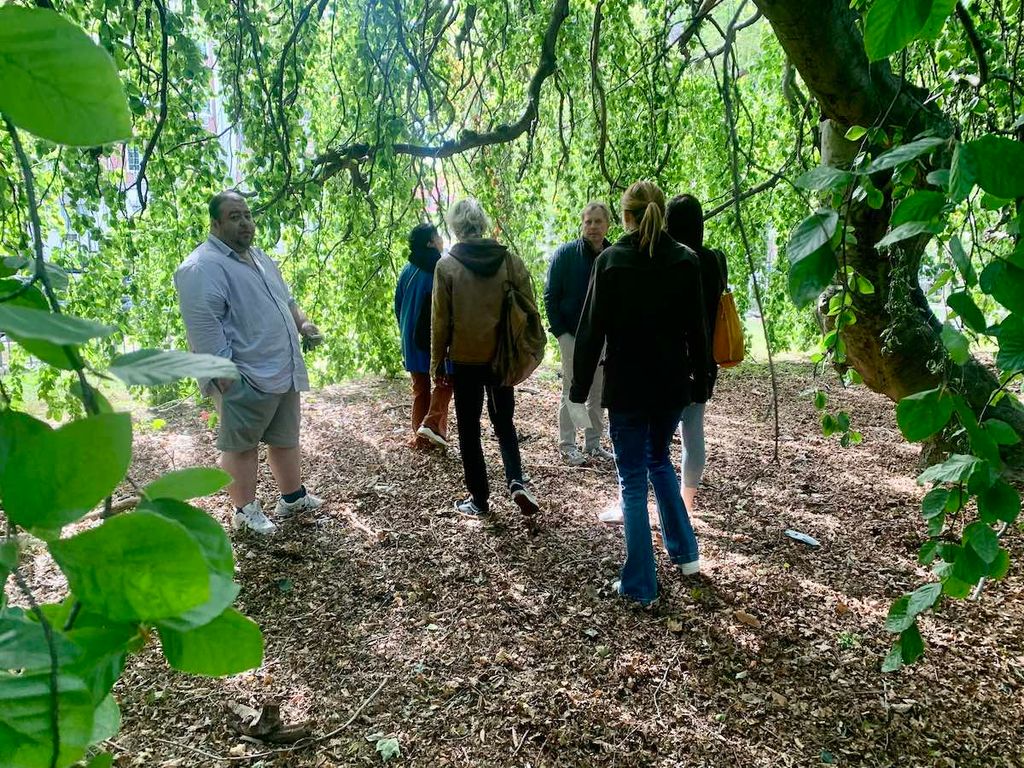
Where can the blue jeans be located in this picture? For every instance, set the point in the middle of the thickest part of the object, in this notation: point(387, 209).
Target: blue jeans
point(642, 441)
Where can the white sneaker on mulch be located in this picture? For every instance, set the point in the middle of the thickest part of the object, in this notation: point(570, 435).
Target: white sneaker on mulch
point(286, 509)
point(432, 436)
point(611, 516)
point(252, 518)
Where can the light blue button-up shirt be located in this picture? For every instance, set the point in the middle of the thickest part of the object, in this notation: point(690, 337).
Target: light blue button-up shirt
point(241, 311)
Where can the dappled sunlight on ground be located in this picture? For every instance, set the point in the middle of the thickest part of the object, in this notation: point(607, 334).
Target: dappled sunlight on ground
point(474, 644)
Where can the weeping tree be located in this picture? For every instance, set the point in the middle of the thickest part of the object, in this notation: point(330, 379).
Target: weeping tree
point(881, 139)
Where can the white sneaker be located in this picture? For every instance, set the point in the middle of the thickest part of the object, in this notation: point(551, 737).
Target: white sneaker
point(252, 518)
point(691, 568)
point(432, 436)
point(611, 516)
point(573, 457)
point(286, 509)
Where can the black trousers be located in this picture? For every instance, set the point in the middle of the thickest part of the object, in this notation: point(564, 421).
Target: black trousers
point(471, 384)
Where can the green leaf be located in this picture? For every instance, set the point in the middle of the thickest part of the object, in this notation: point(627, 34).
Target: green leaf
point(968, 566)
point(907, 231)
point(937, 18)
point(994, 163)
point(924, 205)
point(895, 658)
point(911, 643)
point(216, 549)
point(1000, 502)
point(922, 414)
point(982, 540)
point(927, 552)
point(25, 323)
point(934, 502)
point(1000, 566)
point(106, 720)
point(137, 566)
point(891, 24)
point(956, 344)
point(227, 645)
point(59, 475)
point(956, 588)
point(1005, 283)
point(1011, 344)
point(23, 643)
point(939, 178)
point(899, 617)
point(1001, 432)
point(962, 174)
point(904, 153)
point(17, 429)
point(812, 263)
point(855, 132)
point(102, 760)
point(58, 84)
point(388, 749)
point(185, 484)
point(149, 367)
point(923, 598)
point(963, 261)
point(26, 738)
point(823, 177)
point(961, 303)
point(955, 469)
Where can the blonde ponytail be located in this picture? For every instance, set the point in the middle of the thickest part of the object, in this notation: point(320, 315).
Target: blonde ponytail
point(646, 202)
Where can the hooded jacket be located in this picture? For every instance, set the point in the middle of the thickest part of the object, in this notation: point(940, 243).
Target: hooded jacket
point(469, 288)
point(650, 312)
point(566, 286)
point(412, 305)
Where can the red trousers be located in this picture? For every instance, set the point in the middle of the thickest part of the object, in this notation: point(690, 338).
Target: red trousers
point(430, 407)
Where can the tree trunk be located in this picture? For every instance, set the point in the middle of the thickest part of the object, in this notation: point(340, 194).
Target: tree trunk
point(895, 344)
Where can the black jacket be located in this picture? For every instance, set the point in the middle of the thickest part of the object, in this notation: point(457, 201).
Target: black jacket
point(650, 312)
point(566, 286)
point(714, 278)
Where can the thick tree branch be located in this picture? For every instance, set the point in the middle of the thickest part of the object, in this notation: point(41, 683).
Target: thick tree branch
point(331, 162)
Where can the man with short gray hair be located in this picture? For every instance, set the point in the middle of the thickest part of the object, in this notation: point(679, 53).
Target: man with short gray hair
point(235, 304)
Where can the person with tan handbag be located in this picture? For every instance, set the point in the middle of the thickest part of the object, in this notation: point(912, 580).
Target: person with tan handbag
point(684, 222)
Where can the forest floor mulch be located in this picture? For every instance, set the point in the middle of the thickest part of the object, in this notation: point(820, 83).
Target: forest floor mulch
point(386, 616)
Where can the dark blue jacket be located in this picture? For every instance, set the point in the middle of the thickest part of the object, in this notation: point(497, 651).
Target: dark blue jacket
point(412, 306)
point(566, 286)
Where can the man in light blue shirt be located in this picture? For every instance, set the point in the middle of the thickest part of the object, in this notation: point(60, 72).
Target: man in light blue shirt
point(235, 304)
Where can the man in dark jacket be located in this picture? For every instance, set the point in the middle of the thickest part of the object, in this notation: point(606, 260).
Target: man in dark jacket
point(412, 309)
point(564, 294)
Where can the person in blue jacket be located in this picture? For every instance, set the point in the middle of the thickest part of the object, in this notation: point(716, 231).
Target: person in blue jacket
point(564, 294)
point(412, 308)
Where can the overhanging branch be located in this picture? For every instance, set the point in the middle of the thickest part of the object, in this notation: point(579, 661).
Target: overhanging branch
point(333, 161)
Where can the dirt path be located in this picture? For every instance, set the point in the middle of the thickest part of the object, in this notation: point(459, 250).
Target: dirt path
point(486, 647)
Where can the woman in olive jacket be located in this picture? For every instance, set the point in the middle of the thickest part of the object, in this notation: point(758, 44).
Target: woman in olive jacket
point(645, 302)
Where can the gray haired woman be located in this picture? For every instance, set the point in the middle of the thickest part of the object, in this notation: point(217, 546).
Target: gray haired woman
point(469, 288)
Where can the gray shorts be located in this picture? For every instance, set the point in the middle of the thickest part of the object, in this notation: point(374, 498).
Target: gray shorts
point(248, 416)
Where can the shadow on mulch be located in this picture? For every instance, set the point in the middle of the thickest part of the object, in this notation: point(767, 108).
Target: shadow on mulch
point(476, 645)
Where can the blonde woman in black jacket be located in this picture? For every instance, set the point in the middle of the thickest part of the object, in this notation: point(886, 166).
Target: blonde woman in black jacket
point(645, 302)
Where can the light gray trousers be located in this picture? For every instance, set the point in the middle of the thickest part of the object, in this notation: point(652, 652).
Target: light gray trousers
point(566, 428)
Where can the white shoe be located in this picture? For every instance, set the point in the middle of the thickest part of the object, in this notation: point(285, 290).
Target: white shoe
point(252, 518)
point(432, 436)
point(691, 568)
point(573, 457)
point(611, 516)
point(286, 509)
